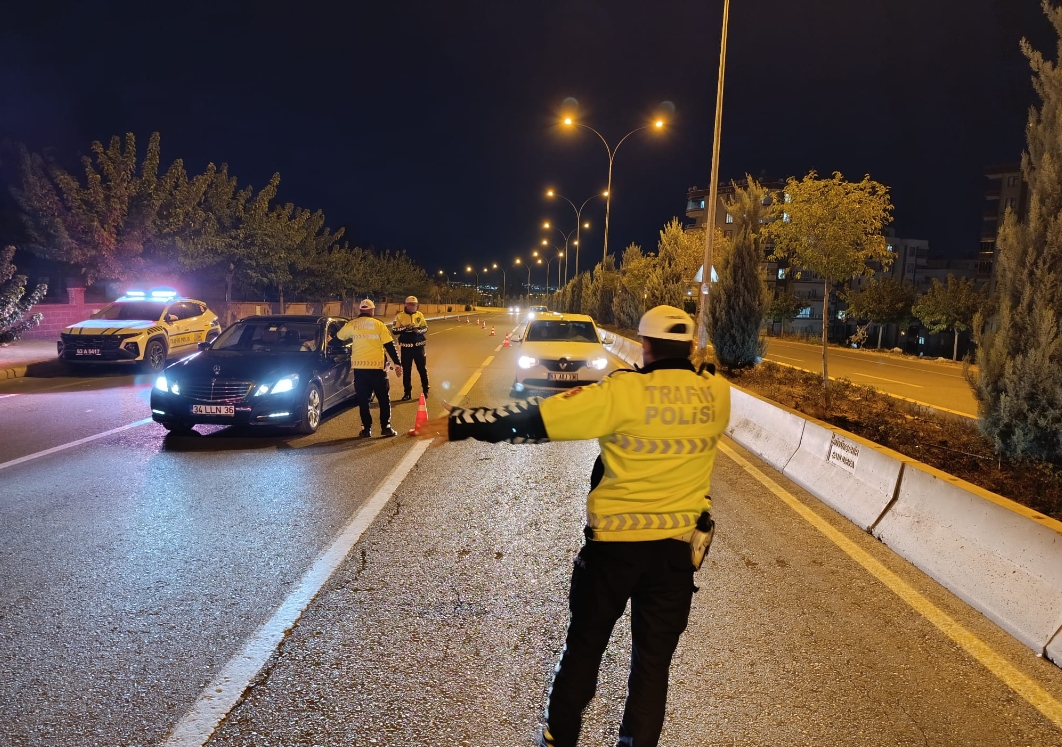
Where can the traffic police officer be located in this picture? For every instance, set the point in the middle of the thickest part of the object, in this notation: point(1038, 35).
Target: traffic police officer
point(412, 329)
point(658, 428)
point(370, 339)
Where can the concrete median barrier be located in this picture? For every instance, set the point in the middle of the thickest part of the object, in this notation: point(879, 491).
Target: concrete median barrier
point(1002, 558)
point(848, 473)
point(768, 431)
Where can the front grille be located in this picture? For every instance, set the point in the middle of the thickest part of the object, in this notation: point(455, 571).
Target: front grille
point(217, 390)
point(103, 342)
point(547, 384)
point(572, 366)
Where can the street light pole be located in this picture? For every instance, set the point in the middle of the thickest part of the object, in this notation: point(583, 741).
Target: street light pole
point(611, 157)
point(469, 269)
point(713, 188)
point(578, 225)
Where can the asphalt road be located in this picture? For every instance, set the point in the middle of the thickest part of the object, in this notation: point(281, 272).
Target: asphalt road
point(939, 384)
point(137, 565)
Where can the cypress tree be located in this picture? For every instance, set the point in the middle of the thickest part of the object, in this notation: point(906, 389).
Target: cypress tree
point(740, 298)
point(1019, 382)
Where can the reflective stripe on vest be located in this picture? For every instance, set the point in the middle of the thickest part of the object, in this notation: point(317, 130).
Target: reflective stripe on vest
point(617, 522)
point(639, 445)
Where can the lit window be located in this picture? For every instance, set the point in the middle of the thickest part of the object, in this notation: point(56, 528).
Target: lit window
point(702, 204)
point(785, 217)
point(781, 273)
point(805, 313)
point(890, 248)
point(729, 218)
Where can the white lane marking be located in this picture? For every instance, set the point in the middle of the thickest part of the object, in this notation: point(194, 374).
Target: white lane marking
point(72, 444)
point(891, 381)
point(788, 358)
point(216, 700)
point(5, 396)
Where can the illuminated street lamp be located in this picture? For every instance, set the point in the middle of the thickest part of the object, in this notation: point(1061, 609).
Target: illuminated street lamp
point(528, 278)
point(474, 272)
point(658, 124)
point(578, 224)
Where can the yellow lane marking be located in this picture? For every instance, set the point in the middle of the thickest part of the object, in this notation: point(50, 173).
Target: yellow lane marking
point(891, 381)
point(470, 383)
point(1002, 669)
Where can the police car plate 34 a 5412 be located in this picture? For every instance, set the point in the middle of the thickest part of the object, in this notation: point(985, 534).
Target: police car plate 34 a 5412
point(213, 410)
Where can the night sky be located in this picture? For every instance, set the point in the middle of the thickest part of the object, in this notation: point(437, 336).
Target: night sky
point(432, 127)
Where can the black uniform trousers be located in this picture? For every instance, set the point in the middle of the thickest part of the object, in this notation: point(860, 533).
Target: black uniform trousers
point(657, 578)
point(367, 382)
point(410, 356)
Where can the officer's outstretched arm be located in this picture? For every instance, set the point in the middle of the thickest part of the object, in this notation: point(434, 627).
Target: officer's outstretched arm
point(516, 423)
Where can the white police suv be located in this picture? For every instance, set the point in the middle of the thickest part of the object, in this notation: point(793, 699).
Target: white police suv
point(141, 328)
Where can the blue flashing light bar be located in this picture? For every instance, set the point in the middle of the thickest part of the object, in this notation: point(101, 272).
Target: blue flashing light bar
point(134, 294)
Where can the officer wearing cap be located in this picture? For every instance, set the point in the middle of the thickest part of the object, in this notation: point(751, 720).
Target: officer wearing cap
point(370, 340)
point(412, 330)
point(648, 504)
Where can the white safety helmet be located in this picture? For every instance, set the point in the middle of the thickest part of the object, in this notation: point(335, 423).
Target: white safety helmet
point(412, 299)
point(367, 305)
point(666, 323)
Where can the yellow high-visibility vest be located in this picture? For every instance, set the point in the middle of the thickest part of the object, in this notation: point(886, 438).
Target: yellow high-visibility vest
point(658, 433)
point(368, 337)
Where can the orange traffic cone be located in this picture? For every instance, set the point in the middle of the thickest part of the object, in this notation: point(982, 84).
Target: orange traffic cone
point(468, 320)
point(422, 416)
point(482, 324)
point(492, 330)
point(506, 343)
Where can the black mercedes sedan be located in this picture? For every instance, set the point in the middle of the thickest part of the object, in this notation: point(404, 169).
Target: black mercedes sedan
point(262, 370)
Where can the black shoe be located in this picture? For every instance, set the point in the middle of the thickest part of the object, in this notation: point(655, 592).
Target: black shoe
point(388, 432)
point(426, 390)
point(366, 432)
point(406, 397)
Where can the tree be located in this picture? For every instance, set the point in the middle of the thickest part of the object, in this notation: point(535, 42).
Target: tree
point(832, 228)
point(678, 257)
point(116, 221)
point(740, 297)
point(1018, 386)
point(952, 306)
point(785, 306)
point(15, 305)
point(882, 301)
point(629, 303)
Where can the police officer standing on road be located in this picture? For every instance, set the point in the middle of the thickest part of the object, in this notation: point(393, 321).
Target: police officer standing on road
point(370, 339)
point(648, 524)
point(412, 329)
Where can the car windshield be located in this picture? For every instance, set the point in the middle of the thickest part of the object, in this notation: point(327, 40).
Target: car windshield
point(538, 308)
point(150, 311)
point(270, 337)
point(548, 330)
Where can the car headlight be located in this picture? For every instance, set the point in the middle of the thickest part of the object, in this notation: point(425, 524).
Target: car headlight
point(526, 362)
point(165, 385)
point(283, 385)
point(599, 363)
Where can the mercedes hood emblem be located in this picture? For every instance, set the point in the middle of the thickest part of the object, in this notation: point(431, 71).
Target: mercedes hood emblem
point(217, 370)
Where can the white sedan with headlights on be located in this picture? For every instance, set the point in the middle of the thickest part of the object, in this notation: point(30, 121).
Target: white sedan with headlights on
point(559, 352)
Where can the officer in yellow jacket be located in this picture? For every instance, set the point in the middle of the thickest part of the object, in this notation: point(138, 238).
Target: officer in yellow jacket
point(658, 428)
point(370, 340)
point(412, 330)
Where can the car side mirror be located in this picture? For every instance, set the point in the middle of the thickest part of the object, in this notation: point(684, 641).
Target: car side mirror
point(203, 345)
point(516, 339)
point(608, 340)
point(171, 318)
